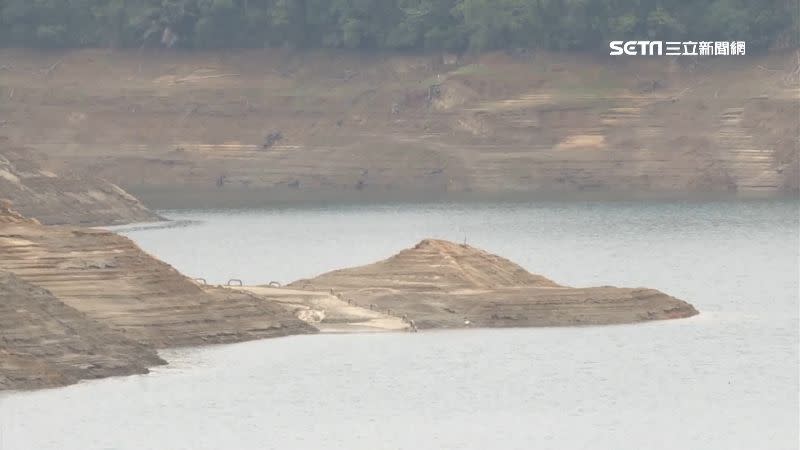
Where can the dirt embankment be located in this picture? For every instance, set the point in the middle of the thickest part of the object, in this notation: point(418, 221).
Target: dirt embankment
point(111, 280)
point(79, 303)
point(45, 343)
point(439, 284)
point(64, 199)
point(189, 129)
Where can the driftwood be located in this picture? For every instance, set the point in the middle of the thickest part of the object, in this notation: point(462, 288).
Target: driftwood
point(794, 76)
point(188, 113)
point(682, 92)
point(52, 68)
point(271, 139)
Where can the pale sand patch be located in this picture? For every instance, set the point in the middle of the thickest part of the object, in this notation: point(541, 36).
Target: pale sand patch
point(9, 176)
point(328, 313)
point(583, 141)
point(10, 241)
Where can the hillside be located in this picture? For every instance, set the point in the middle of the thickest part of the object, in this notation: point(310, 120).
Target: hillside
point(183, 129)
point(64, 199)
point(440, 284)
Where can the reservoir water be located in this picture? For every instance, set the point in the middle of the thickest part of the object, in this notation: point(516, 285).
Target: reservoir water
point(726, 379)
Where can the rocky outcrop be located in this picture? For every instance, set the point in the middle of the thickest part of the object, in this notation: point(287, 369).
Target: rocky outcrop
point(45, 343)
point(64, 199)
point(439, 284)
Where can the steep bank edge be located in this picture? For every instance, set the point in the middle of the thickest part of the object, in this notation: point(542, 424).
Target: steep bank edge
point(111, 280)
point(58, 199)
point(45, 343)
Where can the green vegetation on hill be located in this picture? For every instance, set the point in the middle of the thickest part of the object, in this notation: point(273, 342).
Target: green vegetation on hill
point(394, 24)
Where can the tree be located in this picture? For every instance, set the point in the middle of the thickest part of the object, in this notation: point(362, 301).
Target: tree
point(395, 24)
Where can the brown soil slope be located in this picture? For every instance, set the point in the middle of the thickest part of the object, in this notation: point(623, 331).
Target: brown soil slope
point(9, 216)
point(434, 265)
point(442, 284)
point(57, 199)
point(193, 124)
point(108, 278)
point(45, 343)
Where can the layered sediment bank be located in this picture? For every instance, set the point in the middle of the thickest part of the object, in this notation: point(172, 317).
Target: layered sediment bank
point(78, 303)
point(190, 129)
point(440, 284)
point(61, 199)
point(111, 280)
point(45, 343)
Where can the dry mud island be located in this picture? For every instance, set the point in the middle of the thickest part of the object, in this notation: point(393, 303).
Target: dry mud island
point(440, 284)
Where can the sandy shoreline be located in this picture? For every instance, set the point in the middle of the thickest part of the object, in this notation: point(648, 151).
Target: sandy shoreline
point(328, 313)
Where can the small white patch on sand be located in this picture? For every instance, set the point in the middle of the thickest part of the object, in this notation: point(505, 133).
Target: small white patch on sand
point(5, 174)
point(583, 141)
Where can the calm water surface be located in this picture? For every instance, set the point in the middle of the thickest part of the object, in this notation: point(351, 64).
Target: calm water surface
point(727, 379)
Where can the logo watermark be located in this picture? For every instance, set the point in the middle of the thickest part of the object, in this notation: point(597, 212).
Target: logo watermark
point(678, 48)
